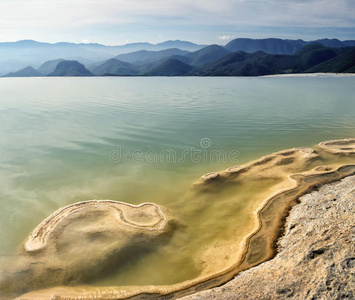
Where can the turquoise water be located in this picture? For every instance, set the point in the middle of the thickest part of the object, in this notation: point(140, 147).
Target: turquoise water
point(64, 140)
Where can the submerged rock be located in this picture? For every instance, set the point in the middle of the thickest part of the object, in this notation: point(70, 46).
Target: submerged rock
point(85, 240)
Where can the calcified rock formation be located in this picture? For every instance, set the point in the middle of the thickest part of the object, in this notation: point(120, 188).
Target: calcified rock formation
point(263, 190)
point(147, 216)
point(270, 166)
point(84, 240)
point(343, 147)
point(287, 170)
point(316, 256)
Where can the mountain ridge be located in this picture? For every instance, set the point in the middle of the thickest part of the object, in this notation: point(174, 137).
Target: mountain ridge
point(114, 67)
point(20, 54)
point(257, 57)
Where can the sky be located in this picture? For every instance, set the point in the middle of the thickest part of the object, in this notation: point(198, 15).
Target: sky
point(117, 22)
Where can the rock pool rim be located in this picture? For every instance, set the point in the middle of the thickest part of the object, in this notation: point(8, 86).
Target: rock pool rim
point(39, 236)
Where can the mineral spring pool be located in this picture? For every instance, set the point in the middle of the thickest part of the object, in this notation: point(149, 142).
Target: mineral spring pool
point(149, 140)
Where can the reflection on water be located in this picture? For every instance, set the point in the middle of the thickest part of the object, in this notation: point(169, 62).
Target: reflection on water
point(65, 140)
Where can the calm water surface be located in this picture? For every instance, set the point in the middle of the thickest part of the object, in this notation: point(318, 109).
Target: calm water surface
point(64, 140)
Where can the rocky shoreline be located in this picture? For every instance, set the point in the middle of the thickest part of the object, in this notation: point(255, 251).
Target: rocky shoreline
point(316, 255)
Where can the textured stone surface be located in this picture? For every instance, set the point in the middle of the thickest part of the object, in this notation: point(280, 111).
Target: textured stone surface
point(344, 147)
point(316, 256)
point(85, 240)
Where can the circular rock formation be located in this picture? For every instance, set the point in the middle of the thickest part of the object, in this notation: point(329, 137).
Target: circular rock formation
point(147, 216)
point(82, 240)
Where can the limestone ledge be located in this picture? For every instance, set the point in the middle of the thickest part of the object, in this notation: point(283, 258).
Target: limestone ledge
point(316, 256)
point(301, 156)
point(343, 147)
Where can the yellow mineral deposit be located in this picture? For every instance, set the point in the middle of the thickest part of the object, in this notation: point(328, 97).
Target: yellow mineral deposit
point(241, 212)
point(85, 240)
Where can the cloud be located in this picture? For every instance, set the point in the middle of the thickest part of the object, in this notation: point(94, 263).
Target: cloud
point(36, 13)
point(113, 17)
point(226, 37)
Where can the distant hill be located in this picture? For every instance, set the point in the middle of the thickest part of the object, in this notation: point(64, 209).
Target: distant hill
point(343, 63)
point(260, 63)
point(149, 59)
point(169, 67)
point(142, 57)
point(26, 72)
point(241, 64)
point(70, 68)
point(311, 55)
point(272, 46)
point(49, 66)
point(206, 55)
point(114, 67)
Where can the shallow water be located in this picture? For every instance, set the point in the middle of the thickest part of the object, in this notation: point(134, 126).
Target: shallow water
point(135, 140)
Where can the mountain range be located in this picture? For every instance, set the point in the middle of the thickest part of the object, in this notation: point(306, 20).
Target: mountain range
point(18, 55)
point(240, 57)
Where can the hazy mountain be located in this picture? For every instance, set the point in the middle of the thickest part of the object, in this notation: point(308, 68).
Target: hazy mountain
point(183, 45)
point(35, 53)
point(205, 62)
point(169, 67)
point(197, 58)
point(133, 47)
point(17, 55)
point(237, 64)
point(334, 43)
point(142, 57)
point(49, 66)
point(26, 72)
point(206, 55)
point(261, 63)
point(279, 46)
point(114, 67)
point(12, 65)
point(70, 68)
point(272, 46)
point(212, 60)
point(183, 58)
